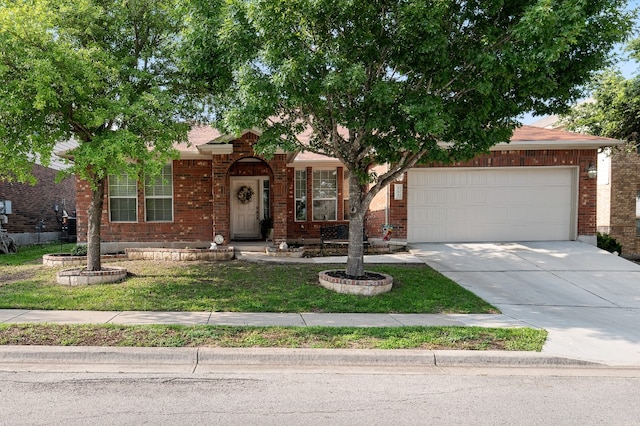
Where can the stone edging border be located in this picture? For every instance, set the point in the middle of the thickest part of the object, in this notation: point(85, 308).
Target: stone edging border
point(80, 276)
point(177, 255)
point(55, 260)
point(359, 287)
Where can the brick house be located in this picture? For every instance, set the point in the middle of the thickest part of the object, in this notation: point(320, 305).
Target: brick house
point(619, 197)
point(534, 188)
point(618, 191)
point(34, 204)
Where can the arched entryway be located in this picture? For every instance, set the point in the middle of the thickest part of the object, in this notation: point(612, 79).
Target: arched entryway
point(250, 197)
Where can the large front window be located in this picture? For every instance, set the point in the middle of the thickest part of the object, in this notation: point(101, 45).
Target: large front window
point(325, 195)
point(123, 198)
point(301, 195)
point(158, 196)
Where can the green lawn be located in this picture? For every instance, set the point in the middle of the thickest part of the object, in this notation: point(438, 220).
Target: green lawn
point(234, 286)
point(32, 254)
point(244, 287)
point(432, 338)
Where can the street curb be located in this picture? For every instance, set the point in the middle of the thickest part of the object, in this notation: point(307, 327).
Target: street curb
point(192, 358)
point(96, 355)
point(380, 357)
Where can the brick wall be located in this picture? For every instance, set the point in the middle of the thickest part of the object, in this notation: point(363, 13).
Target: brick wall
point(192, 208)
point(310, 229)
point(625, 185)
point(202, 199)
point(225, 166)
point(33, 203)
point(398, 211)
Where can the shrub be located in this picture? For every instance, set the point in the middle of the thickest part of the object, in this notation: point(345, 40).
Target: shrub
point(79, 250)
point(608, 243)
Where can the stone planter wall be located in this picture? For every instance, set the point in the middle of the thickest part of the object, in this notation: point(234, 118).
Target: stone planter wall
point(379, 248)
point(56, 260)
point(80, 276)
point(358, 287)
point(180, 255)
point(296, 252)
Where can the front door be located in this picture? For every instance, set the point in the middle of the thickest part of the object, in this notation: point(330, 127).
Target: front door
point(245, 208)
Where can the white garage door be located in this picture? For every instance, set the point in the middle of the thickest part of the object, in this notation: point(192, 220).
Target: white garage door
point(500, 204)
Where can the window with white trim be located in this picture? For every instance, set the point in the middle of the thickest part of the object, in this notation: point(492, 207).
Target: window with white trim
point(123, 198)
point(301, 195)
point(325, 195)
point(158, 196)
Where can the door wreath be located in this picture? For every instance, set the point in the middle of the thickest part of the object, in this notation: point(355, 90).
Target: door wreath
point(245, 194)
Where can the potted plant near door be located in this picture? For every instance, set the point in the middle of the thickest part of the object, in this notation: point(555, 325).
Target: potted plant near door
point(266, 229)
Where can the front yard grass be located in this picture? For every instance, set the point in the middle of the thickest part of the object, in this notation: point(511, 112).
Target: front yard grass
point(234, 286)
point(430, 338)
point(244, 287)
point(33, 253)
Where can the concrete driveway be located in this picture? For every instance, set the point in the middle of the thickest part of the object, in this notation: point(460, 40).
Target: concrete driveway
point(588, 299)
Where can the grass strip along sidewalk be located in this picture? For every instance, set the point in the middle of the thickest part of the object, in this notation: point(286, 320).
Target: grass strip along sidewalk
point(432, 338)
point(238, 286)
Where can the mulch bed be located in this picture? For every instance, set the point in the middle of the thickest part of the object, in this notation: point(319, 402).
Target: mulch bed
point(368, 276)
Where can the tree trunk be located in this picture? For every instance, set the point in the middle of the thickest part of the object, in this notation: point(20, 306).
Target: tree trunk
point(358, 207)
point(94, 214)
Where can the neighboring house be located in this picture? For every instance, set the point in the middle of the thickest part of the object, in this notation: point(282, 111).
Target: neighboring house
point(534, 188)
point(619, 197)
point(33, 218)
point(618, 207)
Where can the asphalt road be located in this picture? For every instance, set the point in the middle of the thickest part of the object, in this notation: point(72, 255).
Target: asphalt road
point(271, 395)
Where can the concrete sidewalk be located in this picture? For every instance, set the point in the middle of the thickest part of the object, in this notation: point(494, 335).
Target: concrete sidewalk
point(12, 316)
point(107, 359)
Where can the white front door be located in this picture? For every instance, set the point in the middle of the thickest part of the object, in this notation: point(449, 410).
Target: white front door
point(245, 208)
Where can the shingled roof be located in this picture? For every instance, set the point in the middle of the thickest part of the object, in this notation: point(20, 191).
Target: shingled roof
point(525, 137)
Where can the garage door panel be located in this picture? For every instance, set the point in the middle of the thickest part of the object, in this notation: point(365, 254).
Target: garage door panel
point(511, 204)
point(503, 197)
point(436, 215)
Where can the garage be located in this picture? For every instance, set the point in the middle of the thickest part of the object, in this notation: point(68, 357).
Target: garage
point(491, 204)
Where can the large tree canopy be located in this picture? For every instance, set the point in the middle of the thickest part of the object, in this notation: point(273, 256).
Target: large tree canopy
point(614, 107)
point(396, 81)
point(100, 72)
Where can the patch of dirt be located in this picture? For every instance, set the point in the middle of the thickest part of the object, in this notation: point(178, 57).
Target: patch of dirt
point(10, 277)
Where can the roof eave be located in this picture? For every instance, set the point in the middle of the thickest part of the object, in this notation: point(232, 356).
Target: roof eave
point(216, 148)
point(66, 154)
point(556, 144)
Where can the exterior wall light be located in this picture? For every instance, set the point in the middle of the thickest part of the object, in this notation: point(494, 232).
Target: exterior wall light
point(592, 171)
